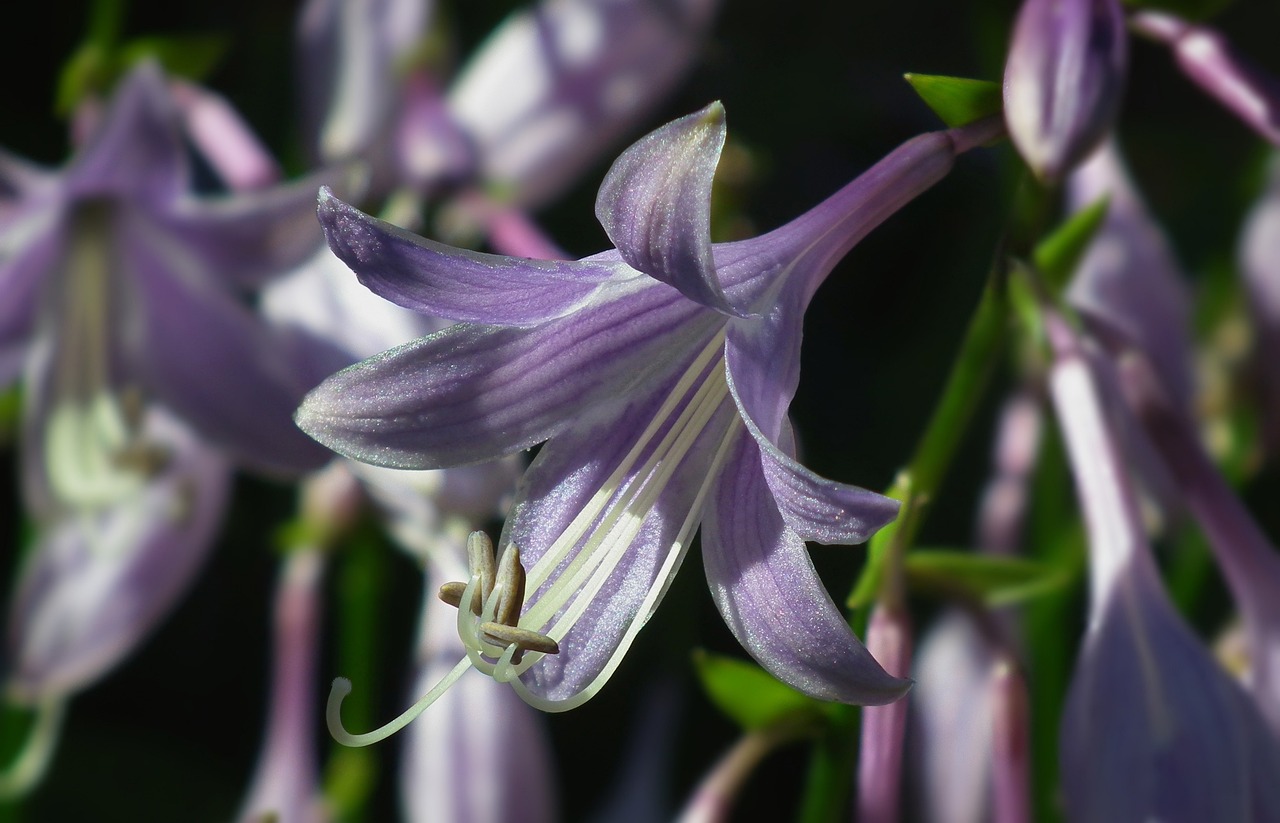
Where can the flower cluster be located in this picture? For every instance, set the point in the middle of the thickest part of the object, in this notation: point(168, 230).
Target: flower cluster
point(342, 390)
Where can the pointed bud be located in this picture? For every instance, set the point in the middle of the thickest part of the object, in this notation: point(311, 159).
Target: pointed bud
point(1215, 66)
point(1063, 80)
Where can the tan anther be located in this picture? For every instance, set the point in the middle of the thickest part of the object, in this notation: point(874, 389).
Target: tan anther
point(510, 585)
point(524, 640)
point(508, 579)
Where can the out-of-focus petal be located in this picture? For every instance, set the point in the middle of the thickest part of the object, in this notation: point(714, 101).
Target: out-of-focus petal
point(655, 205)
point(234, 378)
point(224, 139)
point(30, 244)
point(97, 585)
point(1063, 80)
point(246, 239)
point(473, 393)
point(349, 55)
point(136, 149)
point(324, 298)
point(769, 594)
point(1129, 277)
point(572, 76)
point(458, 284)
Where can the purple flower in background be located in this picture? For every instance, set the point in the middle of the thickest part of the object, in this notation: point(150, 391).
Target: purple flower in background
point(660, 375)
point(124, 289)
point(1153, 727)
point(554, 86)
point(95, 585)
point(1212, 63)
point(1129, 281)
point(1249, 561)
point(1063, 80)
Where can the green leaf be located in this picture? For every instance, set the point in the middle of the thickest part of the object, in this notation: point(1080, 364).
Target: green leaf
point(1058, 254)
point(193, 56)
point(957, 100)
point(991, 579)
point(750, 695)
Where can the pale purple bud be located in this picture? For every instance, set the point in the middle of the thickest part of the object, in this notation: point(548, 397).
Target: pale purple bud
point(1260, 262)
point(1011, 739)
point(1063, 80)
point(1214, 65)
point(224, 139)
point(1004, 502)
point(884, 727)
point(286, 783)
point(953, 722)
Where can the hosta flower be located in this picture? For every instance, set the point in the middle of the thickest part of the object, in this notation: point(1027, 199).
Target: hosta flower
point(1063, 80)
point(659, 375)
point(145, 373)
point(1153, 728)
point(123, 289)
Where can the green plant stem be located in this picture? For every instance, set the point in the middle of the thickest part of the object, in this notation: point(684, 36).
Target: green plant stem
point(917, 484)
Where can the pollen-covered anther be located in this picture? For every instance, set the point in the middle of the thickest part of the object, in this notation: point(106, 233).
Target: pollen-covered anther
point(524, 640)
point(504, 582)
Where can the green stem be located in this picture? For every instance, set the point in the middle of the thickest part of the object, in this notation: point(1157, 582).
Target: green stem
point(917, 484)
point(351, 774)
point(826, 797)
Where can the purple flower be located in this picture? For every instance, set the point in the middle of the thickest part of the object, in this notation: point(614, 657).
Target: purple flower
point(659, 374)
point(124, 308)
point(95, 585)
point(123, 289)
point(1063, 80)
point(1153, 727)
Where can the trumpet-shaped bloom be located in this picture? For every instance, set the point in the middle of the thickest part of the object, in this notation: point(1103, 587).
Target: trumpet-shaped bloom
point(123, 289)
point(1153, 728)
point(659, 375)
point(1063, 80)
point(124, 307)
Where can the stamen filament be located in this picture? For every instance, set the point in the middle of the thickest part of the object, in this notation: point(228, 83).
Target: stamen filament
point(666, 574)
point(579, 526)
point(626, 517)
point(342, 687)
